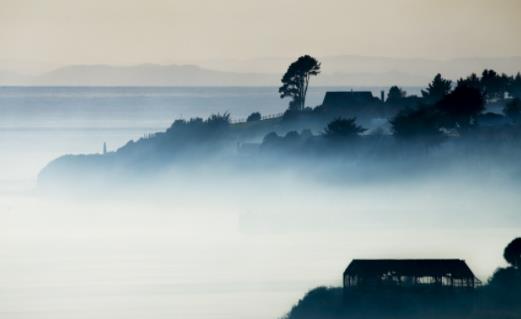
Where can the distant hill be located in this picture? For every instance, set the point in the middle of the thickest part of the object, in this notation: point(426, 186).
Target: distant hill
point(374, 64)
point(375, 71)
point(347, 70)
point(191, 75)
point(149, 75)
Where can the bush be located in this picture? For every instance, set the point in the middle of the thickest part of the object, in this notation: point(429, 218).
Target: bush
point(255, 116)
point(420, 124)
point(219, 120)
point(343, 129)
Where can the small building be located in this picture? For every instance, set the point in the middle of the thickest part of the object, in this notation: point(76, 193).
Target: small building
point(409, 273)
point(348, 98)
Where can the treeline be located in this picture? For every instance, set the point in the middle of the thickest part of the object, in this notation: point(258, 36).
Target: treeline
point(493, 87)
point(442, 111)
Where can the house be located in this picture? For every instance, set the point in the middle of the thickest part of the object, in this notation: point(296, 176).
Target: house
point(348, 98)
point(409, 273)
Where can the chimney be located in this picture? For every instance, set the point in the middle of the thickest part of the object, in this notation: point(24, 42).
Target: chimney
point(382, 95)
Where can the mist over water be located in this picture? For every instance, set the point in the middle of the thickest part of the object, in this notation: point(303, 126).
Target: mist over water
point(143, 107)
point(215, 242)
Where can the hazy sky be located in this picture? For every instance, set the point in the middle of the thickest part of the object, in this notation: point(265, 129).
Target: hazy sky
point(179, 31)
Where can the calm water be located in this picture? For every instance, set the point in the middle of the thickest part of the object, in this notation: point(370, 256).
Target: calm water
point(232, 249)
point(124, 107)
point(38, 124)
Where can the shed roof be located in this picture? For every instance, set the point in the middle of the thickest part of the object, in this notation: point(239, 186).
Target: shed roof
point(455, 268)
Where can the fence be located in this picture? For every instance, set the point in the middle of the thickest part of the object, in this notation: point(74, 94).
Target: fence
point(264, 117)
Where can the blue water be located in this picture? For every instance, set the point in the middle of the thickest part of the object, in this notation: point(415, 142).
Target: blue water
point(137, 107)
point(38, 124)
point(117, 107)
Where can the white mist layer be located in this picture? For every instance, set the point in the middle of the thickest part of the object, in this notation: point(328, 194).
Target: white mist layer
point(211, 248)
point(220, 244)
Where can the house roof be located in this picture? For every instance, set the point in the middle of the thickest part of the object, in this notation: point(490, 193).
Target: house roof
point(456, 268)
point(340, 98)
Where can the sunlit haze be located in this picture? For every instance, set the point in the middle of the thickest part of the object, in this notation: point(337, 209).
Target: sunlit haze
point(60, 32)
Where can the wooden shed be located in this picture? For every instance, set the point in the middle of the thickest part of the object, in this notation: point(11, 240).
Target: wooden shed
point(409, 273)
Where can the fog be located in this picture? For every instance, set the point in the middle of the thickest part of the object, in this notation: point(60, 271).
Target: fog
point(209, 245)
point(229, 238)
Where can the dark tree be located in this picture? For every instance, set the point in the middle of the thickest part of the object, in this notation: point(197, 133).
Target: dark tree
point(422, 124)
point(343, 129)
point(295, 81)
point(395, 95)
point(219, 120)
point(503, 290)
point(512, 252)
point(437, 89)
point(513, 110)
point(472, 81)
point(461, 107)
point(494, 85)
point(514, 87)
point(255, 116)
point(292, 136)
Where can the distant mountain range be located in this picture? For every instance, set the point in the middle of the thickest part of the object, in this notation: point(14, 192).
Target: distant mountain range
point(337, 71)
point(149, 74)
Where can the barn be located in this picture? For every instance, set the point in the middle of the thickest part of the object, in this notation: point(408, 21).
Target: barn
point(409, 273)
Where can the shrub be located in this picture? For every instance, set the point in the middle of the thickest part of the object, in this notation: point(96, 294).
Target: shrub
point(343, 129)
point(255, 116)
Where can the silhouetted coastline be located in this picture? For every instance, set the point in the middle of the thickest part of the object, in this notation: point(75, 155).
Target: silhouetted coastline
point(472, 123)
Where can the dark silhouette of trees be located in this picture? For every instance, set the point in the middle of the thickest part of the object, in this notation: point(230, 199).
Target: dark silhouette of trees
point(420, 124)
point(295, 81)
point(461, 107)
point(501, 294)
point(472, 81)
point(514, 87)
point(341, 129)
point(513, 110)
point(270, 138)
point(395, 95)
point(504, 287)
point(255, 116)
point(493, 84)
point(183, 132)
point(437, 89)
point(512, 253)
point(292, 137)
point(291, 142)
point(219, 120)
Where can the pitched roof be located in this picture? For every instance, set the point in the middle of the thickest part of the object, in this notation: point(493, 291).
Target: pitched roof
point(457, 268)
point(341, 98)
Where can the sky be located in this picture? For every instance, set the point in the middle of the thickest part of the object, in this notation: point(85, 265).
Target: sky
point(58, 32)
